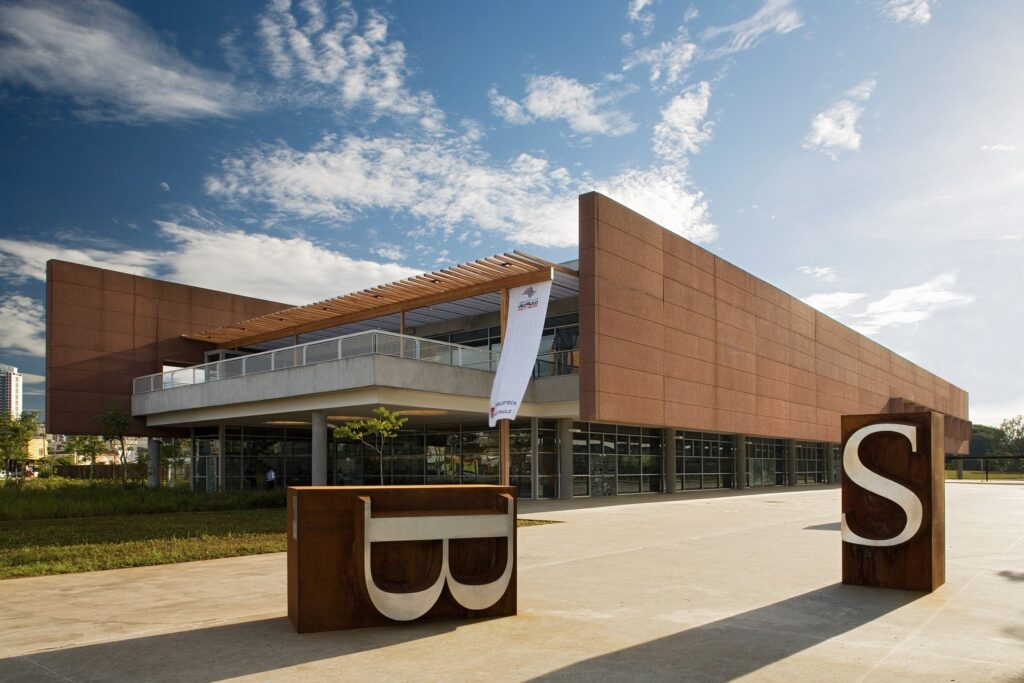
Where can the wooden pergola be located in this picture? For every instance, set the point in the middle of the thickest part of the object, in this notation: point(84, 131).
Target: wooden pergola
point(484, 276)
point(462, 281)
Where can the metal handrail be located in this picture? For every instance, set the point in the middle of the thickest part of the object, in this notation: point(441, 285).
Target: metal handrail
point(367, 343)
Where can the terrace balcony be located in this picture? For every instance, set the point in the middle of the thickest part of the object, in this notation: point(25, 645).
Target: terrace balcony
point(355, 370)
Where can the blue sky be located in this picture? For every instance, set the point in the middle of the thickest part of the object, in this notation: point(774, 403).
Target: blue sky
point(864, 156)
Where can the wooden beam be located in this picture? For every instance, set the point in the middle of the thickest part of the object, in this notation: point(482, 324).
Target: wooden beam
point(390, 307)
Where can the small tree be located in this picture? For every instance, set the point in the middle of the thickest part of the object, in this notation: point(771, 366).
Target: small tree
point(88, 446)
point(15, 435)
point(373, 432)
point(116, 424)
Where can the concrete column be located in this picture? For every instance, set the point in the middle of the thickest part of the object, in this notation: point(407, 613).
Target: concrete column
point(154, 463)
point(565, 458)
point(319, 426)
point(668, 449)
point(741, 461)
point(791, 462)
point(534, 458)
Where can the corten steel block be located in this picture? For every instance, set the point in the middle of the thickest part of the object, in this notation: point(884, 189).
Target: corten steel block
point(327, 583)
point(919, 562)
point(104, 327)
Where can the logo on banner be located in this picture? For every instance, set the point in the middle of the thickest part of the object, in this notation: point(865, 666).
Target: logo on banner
point(882, 486)
point(531, 301)
point(444, 528)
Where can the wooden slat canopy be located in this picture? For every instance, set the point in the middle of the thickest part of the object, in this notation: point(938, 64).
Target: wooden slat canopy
point(461, 281)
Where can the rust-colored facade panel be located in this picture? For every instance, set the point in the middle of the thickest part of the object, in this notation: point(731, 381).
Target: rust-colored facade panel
point(104, 328)
point(739, 355)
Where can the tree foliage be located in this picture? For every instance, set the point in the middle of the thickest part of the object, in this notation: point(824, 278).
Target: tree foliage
point(116, 424)
point(85, 445)
point(373, 432)
point(1013, 435)
point(15, 435)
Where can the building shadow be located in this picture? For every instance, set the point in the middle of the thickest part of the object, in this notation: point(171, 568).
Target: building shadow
point(741, 644)
point(208, 654)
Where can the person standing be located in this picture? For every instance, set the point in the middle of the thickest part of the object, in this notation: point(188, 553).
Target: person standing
point(271, 478)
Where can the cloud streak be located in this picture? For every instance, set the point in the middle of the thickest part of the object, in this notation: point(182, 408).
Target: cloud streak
point(774, 16)
point(24, 328)
point(903, 306)
point(109, 63)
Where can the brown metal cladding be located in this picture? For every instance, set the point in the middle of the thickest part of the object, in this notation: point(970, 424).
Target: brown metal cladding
point(104, 328)
point(737, 354)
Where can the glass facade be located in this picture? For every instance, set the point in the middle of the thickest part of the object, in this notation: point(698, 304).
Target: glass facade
point(613, 460)
point(812, 462)
point(705, 461)
point(464, 453)
point(766, 462)
point(558, 353)
point(608, 459)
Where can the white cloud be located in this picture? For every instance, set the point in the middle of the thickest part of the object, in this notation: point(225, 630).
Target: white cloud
point(165, 186)
point(833, 302)
point(823, 273)
point(835, 128)
point(233, 260)
point(31, 378)
point(682, 129)
point(553, 97)
point(901, 306)
point(21, 261)
point(24, 327)
point(639, 13)
point(439, 181)
point(667, 61)
point(206, 253)
point(507, 109)
point(665, 195)
point(328, 57)
point(110, 64)
point(999, 147)
point(447, 184)
point(910, 304)
point(776, 16)
point(392, 252)
point(691, 14)
point(911, 11)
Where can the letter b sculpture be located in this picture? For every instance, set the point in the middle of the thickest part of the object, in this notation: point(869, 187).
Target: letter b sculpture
point(370, 556)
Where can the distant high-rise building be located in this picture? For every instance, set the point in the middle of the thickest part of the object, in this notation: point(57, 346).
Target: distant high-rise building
point(10, 390)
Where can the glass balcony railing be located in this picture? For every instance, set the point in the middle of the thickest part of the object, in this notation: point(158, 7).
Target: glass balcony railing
point(350, 346)
point(339, 348)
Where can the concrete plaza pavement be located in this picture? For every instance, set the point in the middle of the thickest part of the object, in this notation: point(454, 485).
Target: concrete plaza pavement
point(707, 588)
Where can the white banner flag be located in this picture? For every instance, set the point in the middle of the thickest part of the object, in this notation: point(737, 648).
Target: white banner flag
point(527, 309)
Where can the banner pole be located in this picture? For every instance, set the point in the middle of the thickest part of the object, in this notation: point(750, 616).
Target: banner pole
point(503, 425)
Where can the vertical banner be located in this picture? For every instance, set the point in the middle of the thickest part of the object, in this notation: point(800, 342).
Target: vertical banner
point(527, 309)
point(893, 505)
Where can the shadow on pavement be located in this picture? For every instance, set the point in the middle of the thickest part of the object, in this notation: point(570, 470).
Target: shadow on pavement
point(830, 526)
point(208, 654)
point(738, 645)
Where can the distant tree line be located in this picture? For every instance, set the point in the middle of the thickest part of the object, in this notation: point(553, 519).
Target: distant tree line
point(1004, 441)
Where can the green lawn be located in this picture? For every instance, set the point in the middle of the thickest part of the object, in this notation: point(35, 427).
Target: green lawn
point(993, 476)
point(36, 547)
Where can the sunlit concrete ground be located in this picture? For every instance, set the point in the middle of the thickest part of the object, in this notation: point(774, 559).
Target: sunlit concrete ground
point(654, 588)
